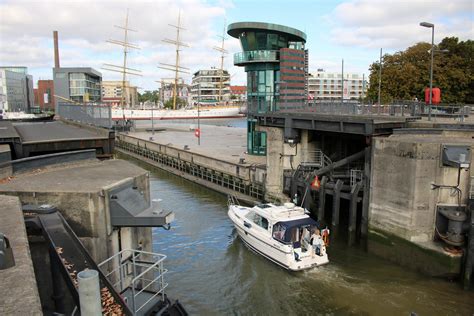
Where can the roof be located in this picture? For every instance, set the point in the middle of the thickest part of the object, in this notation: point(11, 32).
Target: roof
point(238, 89)
point(280, 212)
point(235, 29)
point(87, 70)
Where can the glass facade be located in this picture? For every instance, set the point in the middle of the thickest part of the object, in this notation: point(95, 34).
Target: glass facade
point(84, 87)
point(262, 45)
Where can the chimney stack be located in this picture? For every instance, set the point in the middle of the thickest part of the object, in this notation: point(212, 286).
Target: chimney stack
point(56, 49)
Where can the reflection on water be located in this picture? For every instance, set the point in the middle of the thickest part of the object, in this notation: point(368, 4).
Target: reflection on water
point(212, 272)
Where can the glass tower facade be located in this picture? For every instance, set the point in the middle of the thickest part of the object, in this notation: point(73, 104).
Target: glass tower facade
point(267, 51)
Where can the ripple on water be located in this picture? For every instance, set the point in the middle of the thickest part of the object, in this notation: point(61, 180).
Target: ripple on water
point(213, 273)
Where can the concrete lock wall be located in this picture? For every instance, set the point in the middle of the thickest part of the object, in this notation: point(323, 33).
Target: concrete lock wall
point(402, 209)
point(89, 216)
point(245, 172)
point(402, 201)
point(282, 156)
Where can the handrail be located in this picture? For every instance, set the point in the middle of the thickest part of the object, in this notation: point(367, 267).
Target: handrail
point(137, 283)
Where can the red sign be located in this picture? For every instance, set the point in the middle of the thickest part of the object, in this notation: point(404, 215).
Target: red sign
point(197, 132)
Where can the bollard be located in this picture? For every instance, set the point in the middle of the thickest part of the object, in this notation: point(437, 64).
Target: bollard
point(89, 293)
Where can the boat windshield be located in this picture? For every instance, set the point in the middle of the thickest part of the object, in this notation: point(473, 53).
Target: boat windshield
point(293, 231)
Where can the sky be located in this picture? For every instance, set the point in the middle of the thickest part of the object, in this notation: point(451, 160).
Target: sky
point(353, 30)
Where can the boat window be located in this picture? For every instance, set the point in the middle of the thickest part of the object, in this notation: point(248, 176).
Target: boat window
point(279, 232)
point(261, 221)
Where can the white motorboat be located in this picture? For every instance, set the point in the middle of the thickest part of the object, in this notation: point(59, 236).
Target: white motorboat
point(282, 234)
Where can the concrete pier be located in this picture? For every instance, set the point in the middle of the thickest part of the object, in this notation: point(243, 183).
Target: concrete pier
point(81, 192)
point(18, 290)
point(220, 162)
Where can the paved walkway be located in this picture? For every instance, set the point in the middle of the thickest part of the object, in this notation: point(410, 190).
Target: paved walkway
point(220, 142)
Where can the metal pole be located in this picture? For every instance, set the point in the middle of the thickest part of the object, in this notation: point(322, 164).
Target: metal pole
point(342, 82)
point(431, 73)
point(380, 81)
point(89, 293)
point(152, 123)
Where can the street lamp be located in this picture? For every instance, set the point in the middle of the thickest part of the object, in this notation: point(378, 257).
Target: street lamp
point(430, 25)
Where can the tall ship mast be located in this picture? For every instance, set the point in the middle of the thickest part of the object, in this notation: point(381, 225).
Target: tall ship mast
point(221, 69)
point(176, 68)
point(123, 69)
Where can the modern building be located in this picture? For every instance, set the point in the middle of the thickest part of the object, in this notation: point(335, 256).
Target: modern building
point(16, 89)
point(327, 86)
point(112, 93)
point(77, 84)
point(210, 85)
point(276, 64)
point(44, 95)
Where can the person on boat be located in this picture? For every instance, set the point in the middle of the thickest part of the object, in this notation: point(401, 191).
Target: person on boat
point(316, 241)
point(305, 238)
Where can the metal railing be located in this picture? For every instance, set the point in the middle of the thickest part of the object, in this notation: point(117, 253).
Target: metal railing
point(140, 274)
point(253, 189)
point(316, 158)
point(92, 114)
point(356, 176)
point(256, 56)
point(396, 108)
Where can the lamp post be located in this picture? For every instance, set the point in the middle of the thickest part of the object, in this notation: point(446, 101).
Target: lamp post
point(430, 25)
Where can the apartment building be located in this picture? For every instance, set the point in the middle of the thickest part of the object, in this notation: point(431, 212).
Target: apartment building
point(327, 86)
point(210, 85)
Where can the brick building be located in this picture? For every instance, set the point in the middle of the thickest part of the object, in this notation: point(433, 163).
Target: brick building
point(44, 95)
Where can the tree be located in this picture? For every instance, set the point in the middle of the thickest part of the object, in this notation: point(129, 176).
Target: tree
point(148, 95)
point(406, 74)
point(179, 103)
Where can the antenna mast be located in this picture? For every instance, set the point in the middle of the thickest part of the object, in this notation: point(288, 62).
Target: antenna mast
point(123, 69)
point(223, 52)
point(176, 67)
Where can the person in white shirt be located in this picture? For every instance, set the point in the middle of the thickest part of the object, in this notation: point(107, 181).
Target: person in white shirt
point(316, 241)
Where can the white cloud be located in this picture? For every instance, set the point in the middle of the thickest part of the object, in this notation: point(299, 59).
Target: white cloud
point(395, 24)
point(84, 26)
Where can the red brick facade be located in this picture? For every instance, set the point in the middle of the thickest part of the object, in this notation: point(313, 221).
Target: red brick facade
point(293, 73)
point(44, 95)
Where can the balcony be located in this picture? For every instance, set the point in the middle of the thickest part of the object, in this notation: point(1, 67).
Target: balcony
point(256, 56)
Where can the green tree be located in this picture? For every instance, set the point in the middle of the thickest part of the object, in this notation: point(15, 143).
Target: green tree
point(179, 103)
point(406, 74)
point(148, 95)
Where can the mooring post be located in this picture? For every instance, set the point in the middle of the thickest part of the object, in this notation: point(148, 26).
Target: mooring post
point(353, 213)
point(336, 202)
point(366, 198)
point(89, 293)
point(322, 198)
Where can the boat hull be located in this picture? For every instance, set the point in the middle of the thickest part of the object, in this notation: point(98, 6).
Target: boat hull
point(278, 253)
